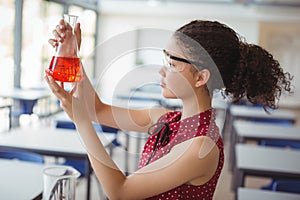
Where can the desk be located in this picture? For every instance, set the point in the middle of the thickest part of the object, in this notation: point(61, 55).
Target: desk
point(258, 131)
point(245, 130)
point(20, 180)
point(26, 98)
point(250, 194)
point(256, 113)
point(248, 112)
point(24, 94)
point(276, 163)
point(52, 142)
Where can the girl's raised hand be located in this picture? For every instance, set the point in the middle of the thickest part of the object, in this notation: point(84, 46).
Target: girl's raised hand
point(60, 33)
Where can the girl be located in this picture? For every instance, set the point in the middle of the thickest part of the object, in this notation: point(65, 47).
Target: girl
point(183, 156)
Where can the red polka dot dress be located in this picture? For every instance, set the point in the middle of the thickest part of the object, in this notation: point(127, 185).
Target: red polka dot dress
point(202, 124)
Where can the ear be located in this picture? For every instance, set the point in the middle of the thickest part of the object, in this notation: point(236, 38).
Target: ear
point(202, 77)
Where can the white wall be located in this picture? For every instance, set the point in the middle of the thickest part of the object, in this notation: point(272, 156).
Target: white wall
point(120, 16)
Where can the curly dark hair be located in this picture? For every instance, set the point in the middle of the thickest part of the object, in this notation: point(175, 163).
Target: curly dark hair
point(247, 70)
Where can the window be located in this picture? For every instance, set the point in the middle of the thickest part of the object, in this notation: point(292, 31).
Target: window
point(7, 10)
point(26, 51)
point(39, 18)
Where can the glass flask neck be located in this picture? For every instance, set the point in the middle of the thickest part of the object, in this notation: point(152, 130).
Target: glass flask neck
point(71, 20)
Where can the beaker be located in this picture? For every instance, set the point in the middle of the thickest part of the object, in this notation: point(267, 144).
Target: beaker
point(65, 65)
point(60, 183)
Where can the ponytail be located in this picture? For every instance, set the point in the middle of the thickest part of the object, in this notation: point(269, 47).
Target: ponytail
point(258, 77)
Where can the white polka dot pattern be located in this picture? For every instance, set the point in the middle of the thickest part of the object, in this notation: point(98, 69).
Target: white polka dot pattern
point(202, 124)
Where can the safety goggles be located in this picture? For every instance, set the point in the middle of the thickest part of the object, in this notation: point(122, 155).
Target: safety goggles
point(167, 61)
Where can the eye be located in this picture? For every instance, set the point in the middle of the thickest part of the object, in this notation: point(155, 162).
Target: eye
point(171, 65)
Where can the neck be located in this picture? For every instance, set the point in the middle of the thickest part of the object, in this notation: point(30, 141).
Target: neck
point(196, 104)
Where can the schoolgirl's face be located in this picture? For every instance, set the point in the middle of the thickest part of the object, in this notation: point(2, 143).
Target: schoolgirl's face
point(177, 73)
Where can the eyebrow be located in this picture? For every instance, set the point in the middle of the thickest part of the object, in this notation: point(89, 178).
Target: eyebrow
point(177, 58)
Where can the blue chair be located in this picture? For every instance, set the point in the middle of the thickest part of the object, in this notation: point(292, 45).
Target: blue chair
point(280, 143)
point(25, 107)
point(292, 186)
point(80, 165)
point(22, 155)
point(273, 121)
point(65, 124)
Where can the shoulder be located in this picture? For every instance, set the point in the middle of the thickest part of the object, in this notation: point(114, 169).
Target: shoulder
point(198, 153)
point(200, 146)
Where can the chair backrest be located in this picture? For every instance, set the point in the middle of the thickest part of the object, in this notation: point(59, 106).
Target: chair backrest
point(21, 155)
point(109, 129)
point(292, 186)
point(65, 124)
point(80, 165)
point(25, 107)
point(280, 143)
point(273, 121)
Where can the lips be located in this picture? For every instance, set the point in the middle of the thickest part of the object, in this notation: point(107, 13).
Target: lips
point(162, 84)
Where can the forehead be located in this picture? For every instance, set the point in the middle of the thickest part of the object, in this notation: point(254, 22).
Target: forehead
point(174, 48)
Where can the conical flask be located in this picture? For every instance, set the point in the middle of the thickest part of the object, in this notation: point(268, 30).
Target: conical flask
point(65, 65)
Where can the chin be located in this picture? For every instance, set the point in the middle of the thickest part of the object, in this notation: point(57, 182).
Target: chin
point(168, 94)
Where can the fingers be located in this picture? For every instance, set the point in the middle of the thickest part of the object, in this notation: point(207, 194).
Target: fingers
point(77, 31)
point(58, 33)
point(53, 42)
point(57, 90)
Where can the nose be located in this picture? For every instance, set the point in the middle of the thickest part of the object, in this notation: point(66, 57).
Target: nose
point(162, 71)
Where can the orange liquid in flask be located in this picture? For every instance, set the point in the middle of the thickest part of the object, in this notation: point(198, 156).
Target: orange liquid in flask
point(65, 69)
